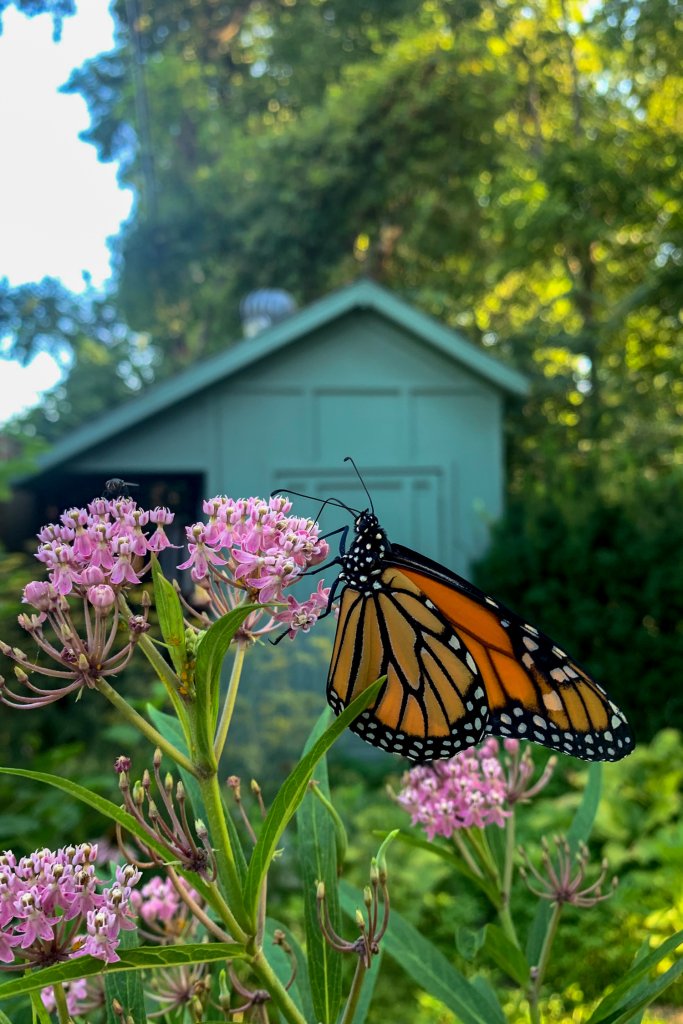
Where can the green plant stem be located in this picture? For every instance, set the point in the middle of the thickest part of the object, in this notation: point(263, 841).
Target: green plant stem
point(235, 917)
point(477, 838)
point(142, 725)
point(354, 993)
point(278, 993)
point(506, 921)
point(230, 698)
point(60, 1001)
point(163, 670)
point(466, 855)
point(539, 974)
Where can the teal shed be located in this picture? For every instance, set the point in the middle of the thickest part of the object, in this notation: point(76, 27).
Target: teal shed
point(359, 373)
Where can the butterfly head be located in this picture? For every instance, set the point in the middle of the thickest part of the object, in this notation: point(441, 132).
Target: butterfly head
point(363, 560)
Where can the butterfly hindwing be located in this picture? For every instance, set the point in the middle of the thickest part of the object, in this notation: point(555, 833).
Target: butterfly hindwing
point(433, 702)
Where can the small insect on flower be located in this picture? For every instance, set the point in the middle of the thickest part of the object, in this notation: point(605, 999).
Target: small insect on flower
point(117, 488)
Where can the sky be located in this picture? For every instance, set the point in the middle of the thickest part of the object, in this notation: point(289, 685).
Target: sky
point(58, 203)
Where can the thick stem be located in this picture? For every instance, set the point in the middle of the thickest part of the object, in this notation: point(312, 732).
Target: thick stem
point(506, 921)
point(230, 698)
point(354, 993)
point(143, 726)
point(60, 1000)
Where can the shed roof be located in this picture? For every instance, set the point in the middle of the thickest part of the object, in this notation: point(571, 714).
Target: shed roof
point(363, 295)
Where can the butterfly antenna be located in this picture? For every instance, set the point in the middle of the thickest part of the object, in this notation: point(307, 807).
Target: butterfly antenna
point(349, 459)
point(309, 497)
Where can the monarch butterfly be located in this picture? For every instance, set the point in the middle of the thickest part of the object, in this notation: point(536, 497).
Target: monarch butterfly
point(459, 665)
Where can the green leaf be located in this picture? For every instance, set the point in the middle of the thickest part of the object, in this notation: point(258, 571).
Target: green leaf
point(171, 729)
point(211, 654)
point(468, 942)
point(624, 1001)
point(579, 831)
point(582, 825)
point(109, 810)
point(453, 860)
point(40, 1014)
point(5, 1020)
point(144, 958)
point(171, 619)
point(505, 954)
point(317, 849)
point(291, 794)
point(429, 968)
point(127, 986)
point(301, 987)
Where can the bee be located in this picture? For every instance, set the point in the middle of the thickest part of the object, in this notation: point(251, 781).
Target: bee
point(117, 488)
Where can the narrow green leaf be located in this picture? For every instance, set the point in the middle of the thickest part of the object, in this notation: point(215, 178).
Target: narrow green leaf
point(5, 1020)
point(452, 859)
point(429, 968)
point(582, 825)
point(211, 654)
point(616, 1001)
point(505, 954)
point(171, 619)
point(301, 986)
point(368, 989)
point(144, 958)
point(109, 810)
point(126, 986)
point(579, 831)
point(291, 794)
point(171, 729)
point(40, 1014)
point(487, 992)
point(317, 849)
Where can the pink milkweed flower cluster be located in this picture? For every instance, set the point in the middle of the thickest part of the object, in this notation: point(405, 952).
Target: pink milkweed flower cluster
point(162, 910)
point(467, 790)
point(253, 545)
point(51, 910)
point(92, 555)
point(100, 549)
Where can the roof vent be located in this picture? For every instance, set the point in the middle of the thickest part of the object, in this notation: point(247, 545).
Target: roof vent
point(263, 308)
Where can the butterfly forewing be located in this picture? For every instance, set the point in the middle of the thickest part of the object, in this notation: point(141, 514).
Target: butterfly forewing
point(433, 702)
point(535, 691)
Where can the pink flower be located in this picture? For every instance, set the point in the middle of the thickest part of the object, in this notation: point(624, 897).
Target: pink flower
point(300, 616)
point(467, 790)
point(101, 596)
point(41, 595)
point(254, 546)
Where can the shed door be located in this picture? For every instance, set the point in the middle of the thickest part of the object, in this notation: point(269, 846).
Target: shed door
point(410, 504)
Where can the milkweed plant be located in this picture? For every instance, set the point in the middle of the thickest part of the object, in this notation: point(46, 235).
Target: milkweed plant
point(172, 923)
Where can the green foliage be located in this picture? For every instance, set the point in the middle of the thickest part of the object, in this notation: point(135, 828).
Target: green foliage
point(601, 573)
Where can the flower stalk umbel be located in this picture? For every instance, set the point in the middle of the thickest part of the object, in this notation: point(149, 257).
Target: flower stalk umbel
point(479, 789)
point(371, 929)
point(86, 630)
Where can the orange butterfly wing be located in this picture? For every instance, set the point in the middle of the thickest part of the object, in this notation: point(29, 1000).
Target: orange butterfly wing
point(534, 690)
point(433, 702)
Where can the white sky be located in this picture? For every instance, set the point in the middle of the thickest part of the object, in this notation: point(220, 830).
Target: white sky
point(58, 204)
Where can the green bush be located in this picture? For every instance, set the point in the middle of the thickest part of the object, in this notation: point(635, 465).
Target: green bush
point(603, 576)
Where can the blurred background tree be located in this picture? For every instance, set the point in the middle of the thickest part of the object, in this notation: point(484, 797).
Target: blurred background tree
point(513, 168)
